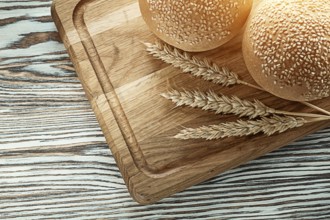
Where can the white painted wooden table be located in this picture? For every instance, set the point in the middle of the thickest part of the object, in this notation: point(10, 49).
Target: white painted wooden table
point(55, 164)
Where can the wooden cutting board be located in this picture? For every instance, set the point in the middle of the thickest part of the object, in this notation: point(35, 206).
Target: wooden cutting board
point(124, 83)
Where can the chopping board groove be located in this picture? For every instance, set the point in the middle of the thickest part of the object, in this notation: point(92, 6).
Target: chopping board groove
point(124, 83)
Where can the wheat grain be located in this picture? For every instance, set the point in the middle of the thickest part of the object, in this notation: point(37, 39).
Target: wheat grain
point(220, 104)
point(190, 64)
point(268, 126)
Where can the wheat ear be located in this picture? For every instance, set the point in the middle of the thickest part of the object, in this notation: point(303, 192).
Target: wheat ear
point(190, 64)
point(220, 104)
point(268, 126)
point(197, 67)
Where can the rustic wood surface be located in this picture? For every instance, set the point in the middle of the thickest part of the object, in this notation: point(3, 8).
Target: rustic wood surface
point(55, 163)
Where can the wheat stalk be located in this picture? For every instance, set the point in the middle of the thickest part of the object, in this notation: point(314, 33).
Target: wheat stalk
point(190, 64)
point(222, 104)
point(268, 126)
point(316, 108)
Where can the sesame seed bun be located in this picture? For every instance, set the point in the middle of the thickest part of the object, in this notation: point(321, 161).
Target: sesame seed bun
point(286, 48)
point(195, 25)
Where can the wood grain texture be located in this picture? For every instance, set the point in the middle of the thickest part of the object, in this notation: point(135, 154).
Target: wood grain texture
point(124, 83)
point(55, 163)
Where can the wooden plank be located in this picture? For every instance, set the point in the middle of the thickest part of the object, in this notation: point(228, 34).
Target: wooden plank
point(123, 84)
point(55, 163)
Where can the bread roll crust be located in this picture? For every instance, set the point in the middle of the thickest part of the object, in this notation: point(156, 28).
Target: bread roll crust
point(195, 25)
point(287, 50)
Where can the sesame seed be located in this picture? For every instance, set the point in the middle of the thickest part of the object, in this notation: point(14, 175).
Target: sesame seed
point(200, 18)
point(293, 43)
